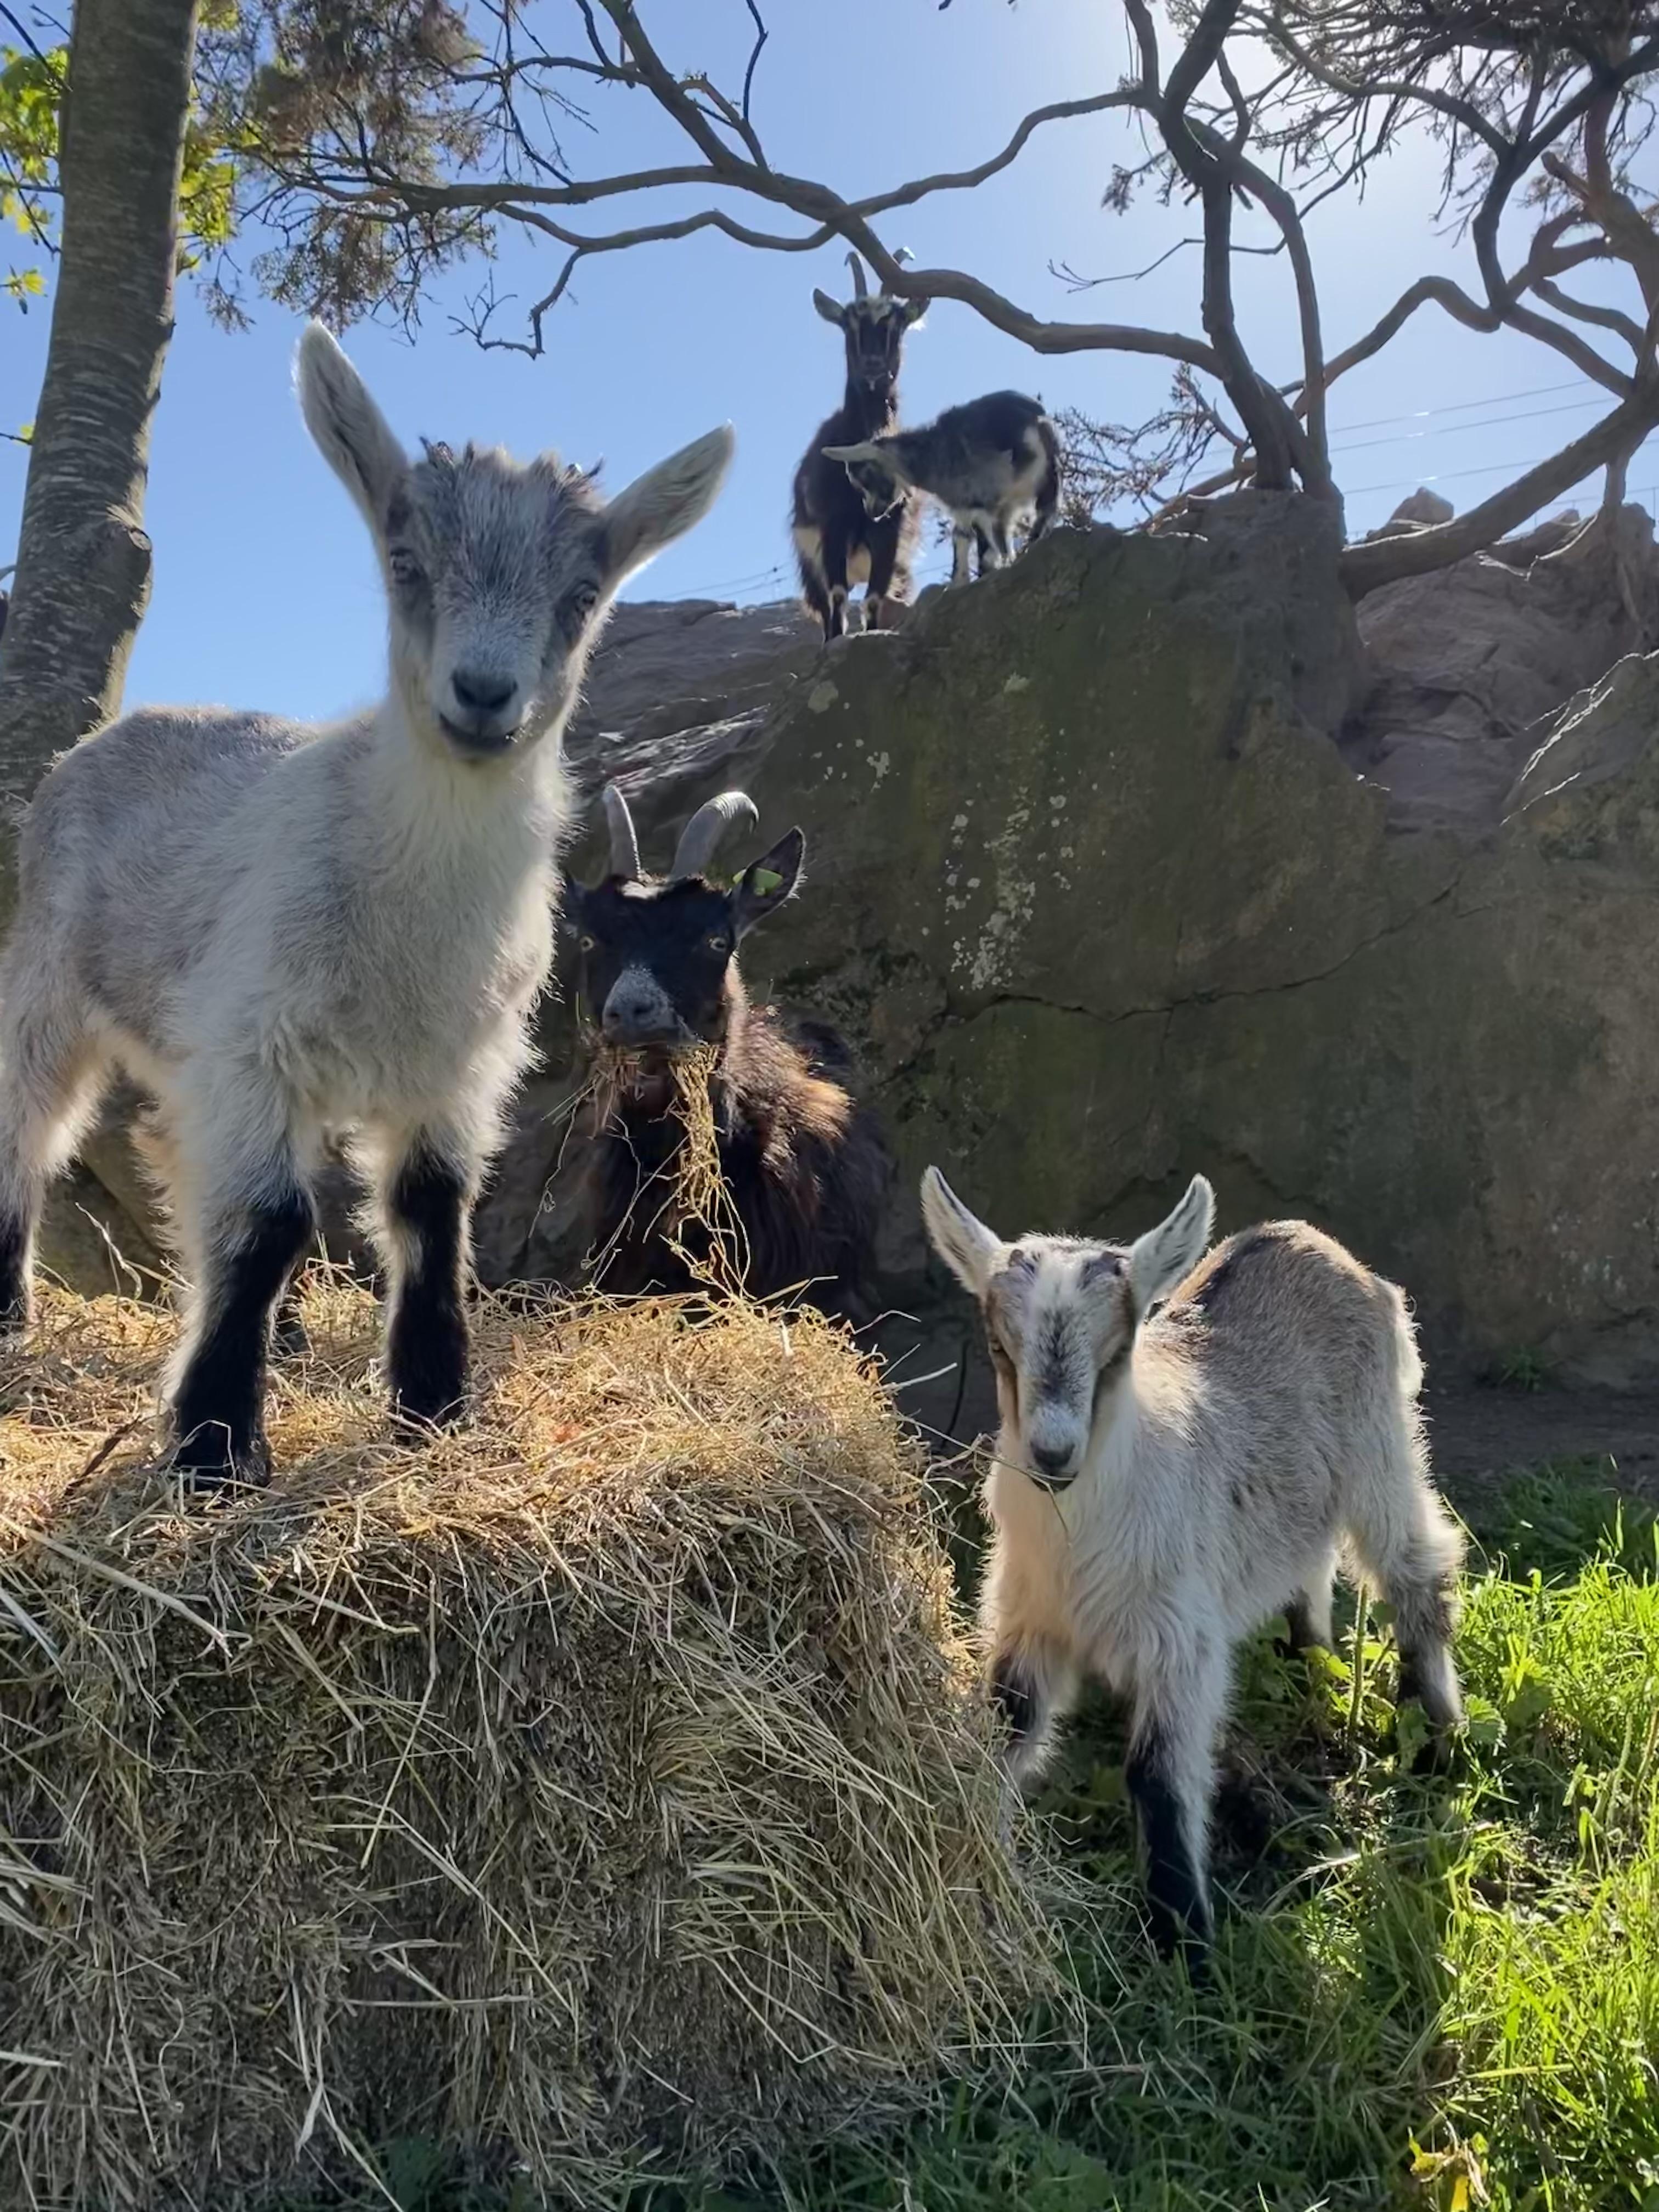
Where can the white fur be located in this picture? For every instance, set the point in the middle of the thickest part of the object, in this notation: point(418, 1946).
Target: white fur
point(282, 931)
point(1168, 1478)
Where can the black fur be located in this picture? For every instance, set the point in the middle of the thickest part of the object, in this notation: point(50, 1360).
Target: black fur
point(218, 1413)
point(1298, 1627)
point(805, 1166)
point(1179, 1914)
point(13, 1275)
point(1014, 1696)
point(826, 501)
point(287, 1331)
point(954, 459)
point(427, 1347)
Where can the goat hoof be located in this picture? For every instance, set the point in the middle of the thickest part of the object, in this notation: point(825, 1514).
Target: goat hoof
point(291, 1337)
point(417, 1423)
point(205, 1464)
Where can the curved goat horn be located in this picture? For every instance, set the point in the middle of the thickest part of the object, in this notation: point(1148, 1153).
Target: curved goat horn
point(857, 268)
point(624, 844)
point(700, 839)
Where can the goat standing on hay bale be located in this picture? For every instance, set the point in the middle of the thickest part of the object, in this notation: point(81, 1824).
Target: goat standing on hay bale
point(1165, 1481)
point(726, 1145)
point(837, 542)
point(281, 931)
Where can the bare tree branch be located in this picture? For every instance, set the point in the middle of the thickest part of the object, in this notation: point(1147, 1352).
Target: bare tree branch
point(1385, 560)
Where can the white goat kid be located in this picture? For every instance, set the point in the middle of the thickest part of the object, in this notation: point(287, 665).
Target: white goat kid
point(280, 930)
point(1166, 1480)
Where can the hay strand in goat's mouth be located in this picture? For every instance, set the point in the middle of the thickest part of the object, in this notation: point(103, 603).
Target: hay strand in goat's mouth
point(693, 1195)
point(598, 1789)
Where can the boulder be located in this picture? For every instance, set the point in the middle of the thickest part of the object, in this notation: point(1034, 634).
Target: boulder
point(1464, 666)
point(1101, 902)
point(1423, 507)
point(1107, 883)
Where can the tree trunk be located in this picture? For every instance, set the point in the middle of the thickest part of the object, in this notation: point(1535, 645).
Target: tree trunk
point(83, 560)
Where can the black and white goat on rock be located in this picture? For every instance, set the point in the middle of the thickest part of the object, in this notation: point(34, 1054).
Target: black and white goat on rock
point(285, 934)
point(838, 541)
point(1190, 1441)
point(992, 464)
point(652, 962)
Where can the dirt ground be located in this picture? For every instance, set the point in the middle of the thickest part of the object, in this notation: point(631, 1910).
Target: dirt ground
point(1479, 1434)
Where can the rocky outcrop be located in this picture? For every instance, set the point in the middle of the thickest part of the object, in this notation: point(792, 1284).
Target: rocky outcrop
point(1108, 885)
point(1462, 666)
point(1102, 902)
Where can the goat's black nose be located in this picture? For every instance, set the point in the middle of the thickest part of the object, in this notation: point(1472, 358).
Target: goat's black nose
point(1052, 1460)
point(481, 693)
point(638, 1021)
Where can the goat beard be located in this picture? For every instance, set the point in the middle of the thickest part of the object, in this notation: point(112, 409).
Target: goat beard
point(681, 1084)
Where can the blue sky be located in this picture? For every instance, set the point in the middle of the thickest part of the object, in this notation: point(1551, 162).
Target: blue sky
point(266, 591)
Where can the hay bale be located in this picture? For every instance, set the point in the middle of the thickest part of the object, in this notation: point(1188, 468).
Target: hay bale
point(599, 1788)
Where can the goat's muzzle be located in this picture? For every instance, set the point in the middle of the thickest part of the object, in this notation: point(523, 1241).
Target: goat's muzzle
point(1052, 1467)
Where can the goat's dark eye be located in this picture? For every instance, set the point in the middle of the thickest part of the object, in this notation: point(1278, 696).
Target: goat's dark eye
point(580, 604)
point(717, 942)
point(583, 944)
point(405, 569)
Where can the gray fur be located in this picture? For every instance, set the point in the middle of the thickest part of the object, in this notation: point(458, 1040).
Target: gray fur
point(280, 930)
point(1187, 1444)
point(991, 464)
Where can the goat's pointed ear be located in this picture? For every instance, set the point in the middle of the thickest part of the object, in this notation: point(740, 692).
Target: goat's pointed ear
point(663, 504)
point(913, 311)
point(866, 452)
point(967, 1248)
point(773, 879)
point(1167, 1255)
point(352, 434)
point(828, 308)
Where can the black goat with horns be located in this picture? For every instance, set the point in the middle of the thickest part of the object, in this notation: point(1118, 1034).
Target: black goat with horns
point(805, 1166)
point(837, 542)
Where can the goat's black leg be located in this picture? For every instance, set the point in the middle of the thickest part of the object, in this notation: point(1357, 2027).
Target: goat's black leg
point(429, 1203)
point(884, 539)
point(218, 1406)
point(288, 1331)
point(1171, 1778)
point(1032, 1687)
point(815, 591)
point(49, 1084)
point(835, 551)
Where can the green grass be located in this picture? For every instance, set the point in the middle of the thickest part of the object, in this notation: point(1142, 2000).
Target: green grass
point(1428, 1991)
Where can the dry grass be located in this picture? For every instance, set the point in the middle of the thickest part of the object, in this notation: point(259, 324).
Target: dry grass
point(697, 1198)
point(600, 1786)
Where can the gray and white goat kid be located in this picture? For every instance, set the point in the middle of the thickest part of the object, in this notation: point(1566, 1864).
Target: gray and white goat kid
point(992, 462)
point(280, 930)
point(1187, 1444)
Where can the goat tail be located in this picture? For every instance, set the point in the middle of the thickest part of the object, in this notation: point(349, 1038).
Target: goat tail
point(1048, 498)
